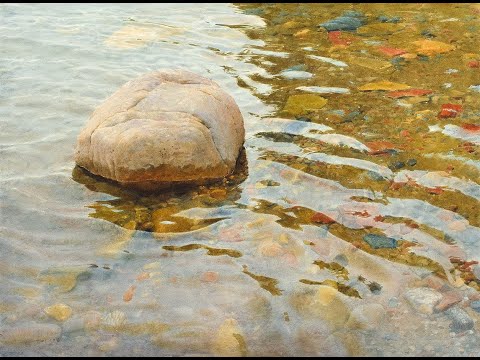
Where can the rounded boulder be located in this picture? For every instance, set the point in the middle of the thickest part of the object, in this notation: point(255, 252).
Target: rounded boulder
point(167, 126)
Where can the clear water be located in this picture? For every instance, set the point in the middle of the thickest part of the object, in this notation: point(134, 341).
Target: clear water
point(275, 262)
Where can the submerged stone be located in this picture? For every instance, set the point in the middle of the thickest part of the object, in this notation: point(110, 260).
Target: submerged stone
point(298, 104)
point(396, 165)
point(380, 241)
point(386, 19)
point(59, 312)
point(461, 321)
point(166, 126)
point(423, 299)
point(475, 305)
point(29, 333)
point(350, 20)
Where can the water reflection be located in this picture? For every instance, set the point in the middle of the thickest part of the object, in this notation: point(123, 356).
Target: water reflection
point(158, 211)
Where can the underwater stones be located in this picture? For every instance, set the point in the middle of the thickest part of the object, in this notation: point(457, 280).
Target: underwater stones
point(350, 20)
point(300, 104)
point(229, 340)
point(59, 312)
point(380, 241)
point(30, 332)
point(327, 303)
point(461, 321)
point(368, 316)
point(423, 299)
point(166, 126)
point(431, 47)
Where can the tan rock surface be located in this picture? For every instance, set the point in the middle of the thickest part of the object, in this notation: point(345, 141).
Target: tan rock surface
point(165, 126)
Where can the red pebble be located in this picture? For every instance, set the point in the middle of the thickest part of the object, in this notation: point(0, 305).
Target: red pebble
point(322, 218)
point(450, 110)
point(436, 190)
point(474, 64)
point(336, 38)
point(391, 51)
point(471, 127)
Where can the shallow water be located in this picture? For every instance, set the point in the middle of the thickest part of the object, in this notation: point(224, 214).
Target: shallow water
point(353, 194)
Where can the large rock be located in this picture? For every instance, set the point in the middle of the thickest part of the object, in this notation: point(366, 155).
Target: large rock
point(166, 126)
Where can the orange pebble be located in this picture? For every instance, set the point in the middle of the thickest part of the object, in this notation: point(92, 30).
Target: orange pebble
point(143, 276)
point(129, 293)
point(209, 276)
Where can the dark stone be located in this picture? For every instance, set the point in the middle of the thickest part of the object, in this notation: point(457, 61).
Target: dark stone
point(428, 34)
point(375, 176)
point(350, 20)
point(461, 321)
point(475, 305)
point(341, 259)
point(380, 241)
point(411, 162)
point(396, 165)
point(386, 19)
point(303, 118)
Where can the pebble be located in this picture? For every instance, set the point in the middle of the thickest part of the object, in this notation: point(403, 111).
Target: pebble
point(28, 333)
point(461, 321)
point(349, 20)
point(449, 299)
point(375, 176)
point(411, 162)
point(368, 316)
point(386, 19)
point(300, 67)
point(59, 312)
point(393, 302)
point(380, 241)
point(115, 319)
point(396, 165)
point(475, 305)
point(227, 343)
point(209, 276)
point(423, 299)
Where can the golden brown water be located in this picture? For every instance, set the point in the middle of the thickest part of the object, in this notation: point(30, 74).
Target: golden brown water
point(348, 198)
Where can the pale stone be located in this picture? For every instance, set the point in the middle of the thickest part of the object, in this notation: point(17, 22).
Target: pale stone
point(423, 299)
point(327, 304)
point(165, 126)
point(229, 340)
point(368, 316)
point(28, 333)
point(59, 312)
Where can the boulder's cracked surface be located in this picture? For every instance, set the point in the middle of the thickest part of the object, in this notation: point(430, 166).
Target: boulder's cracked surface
point(167, 126)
